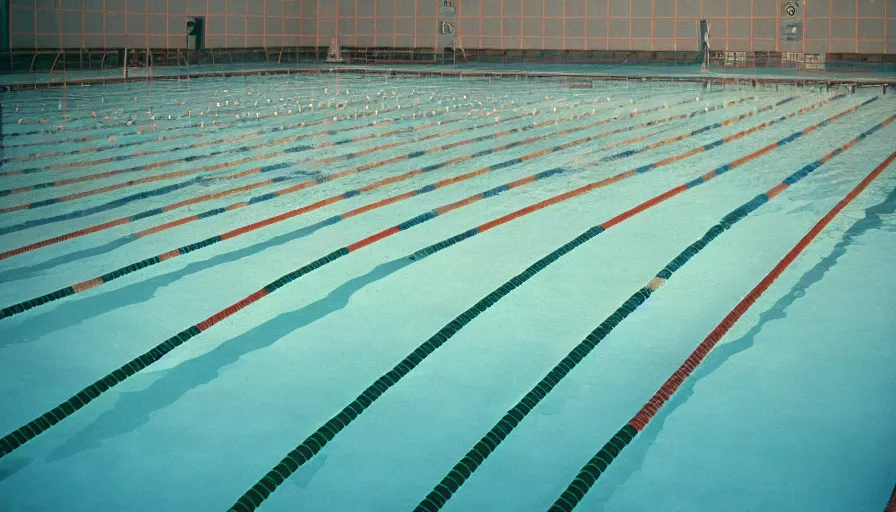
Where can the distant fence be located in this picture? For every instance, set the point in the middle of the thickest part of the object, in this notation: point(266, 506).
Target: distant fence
point(33, 60)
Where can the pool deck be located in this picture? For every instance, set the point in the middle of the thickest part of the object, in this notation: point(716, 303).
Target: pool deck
point(686, 73)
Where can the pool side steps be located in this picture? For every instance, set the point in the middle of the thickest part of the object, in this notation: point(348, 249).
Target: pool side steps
point(597, 465)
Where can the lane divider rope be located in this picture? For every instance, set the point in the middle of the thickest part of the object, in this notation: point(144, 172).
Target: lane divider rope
point(235, 123)
point(113, 101)
point(595, 467)
point(234, 163)
point(128, 269)
point(175, 99)
point(462, 471)
point(245, 149)
point(214, 129)
point(258, 133)
point(277, 193)
point(253, 498)
point(34, 428)
point(215, 125)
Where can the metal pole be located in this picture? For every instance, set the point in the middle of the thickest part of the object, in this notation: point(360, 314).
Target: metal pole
point(1, 131)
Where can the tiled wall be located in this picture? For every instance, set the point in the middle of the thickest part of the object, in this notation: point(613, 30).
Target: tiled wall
point(156, 23)
point(850, 26)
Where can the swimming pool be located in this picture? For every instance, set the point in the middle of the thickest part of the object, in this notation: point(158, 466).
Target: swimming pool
point(203, 234)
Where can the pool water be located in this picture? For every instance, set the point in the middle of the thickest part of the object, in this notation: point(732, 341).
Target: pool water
point(202, 193)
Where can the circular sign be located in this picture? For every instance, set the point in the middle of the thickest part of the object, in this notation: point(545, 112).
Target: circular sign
point(790, 9)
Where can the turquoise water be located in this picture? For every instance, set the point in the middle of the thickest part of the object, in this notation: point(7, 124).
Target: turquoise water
point(793, 410)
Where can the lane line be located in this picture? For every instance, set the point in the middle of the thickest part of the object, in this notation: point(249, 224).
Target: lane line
point(253, 498)
point(39, 425)
point(468, 464)
point(595, 467)
point(128, 269)
point(281, 192)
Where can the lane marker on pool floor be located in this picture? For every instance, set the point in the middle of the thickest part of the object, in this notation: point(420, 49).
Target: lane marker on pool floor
point(592, 471)
point(128, 269)
point(443, 491)
point(316, 441)
point(277, 193)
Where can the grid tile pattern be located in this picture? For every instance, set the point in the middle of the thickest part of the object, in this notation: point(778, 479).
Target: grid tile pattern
point(849, 26)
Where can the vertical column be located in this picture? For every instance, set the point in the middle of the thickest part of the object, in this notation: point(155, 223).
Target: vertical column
point(727, 17)
point(585, 28)
point(563, 29)
point(607, 45)
point(778, 27)
point(59, 22)
point(675, 27)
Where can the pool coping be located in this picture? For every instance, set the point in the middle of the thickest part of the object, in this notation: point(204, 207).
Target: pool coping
point(763, 76)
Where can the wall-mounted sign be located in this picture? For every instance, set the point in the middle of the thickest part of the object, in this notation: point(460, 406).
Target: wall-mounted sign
point(793, 32)
point(447, 9)
point(791, 8)
point(446, 27)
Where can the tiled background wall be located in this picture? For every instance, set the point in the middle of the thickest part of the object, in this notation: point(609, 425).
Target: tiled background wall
point(851, 26)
